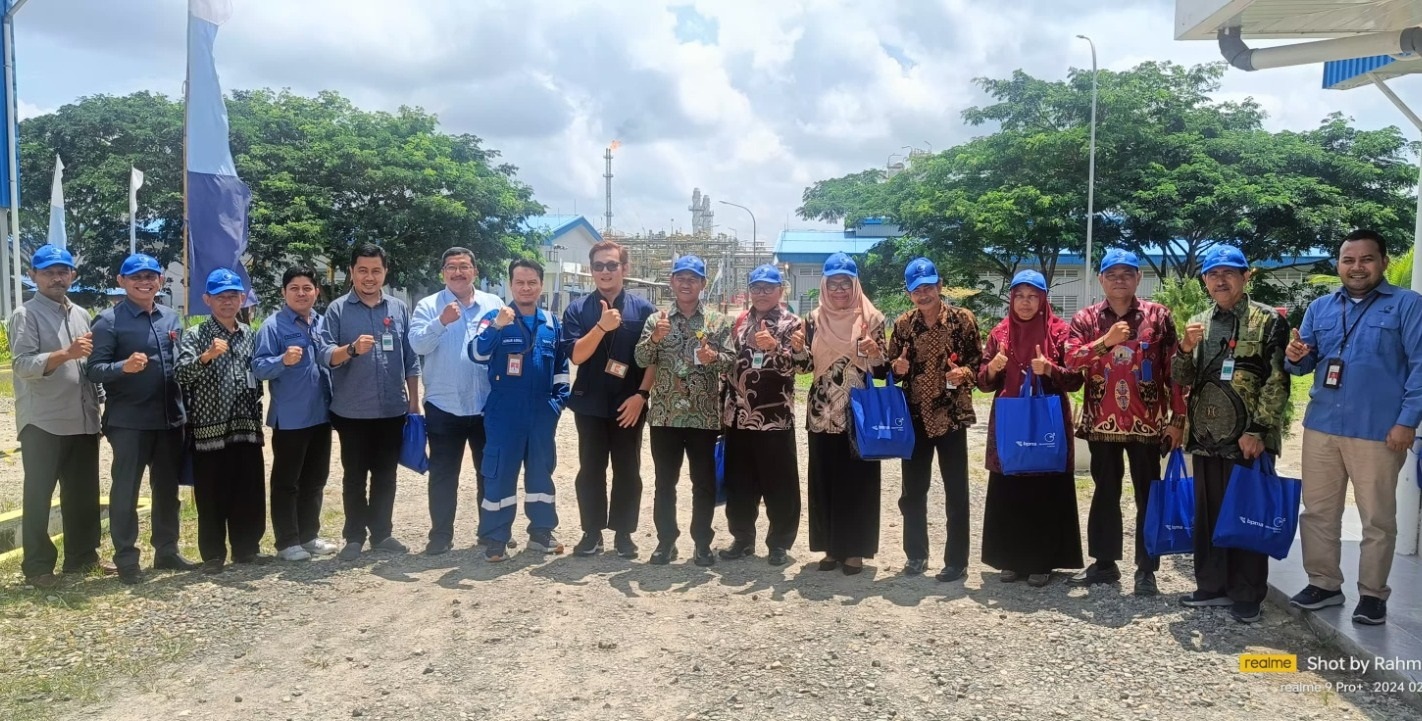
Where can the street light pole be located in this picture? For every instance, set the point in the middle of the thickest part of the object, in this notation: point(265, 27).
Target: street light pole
point(1091, 180)
point(755, 243)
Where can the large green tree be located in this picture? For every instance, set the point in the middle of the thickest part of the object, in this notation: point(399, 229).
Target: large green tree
point(324, 175)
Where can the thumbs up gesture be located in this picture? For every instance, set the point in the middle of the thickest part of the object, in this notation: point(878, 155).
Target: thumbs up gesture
point(1040, 365)
point(797, 340)
point(215, 350)
point(611, 318)
point(662, 329)
point(706, 354)
point(763, 338)
point(901, 364)
point(1297, 350)
point(999, 361)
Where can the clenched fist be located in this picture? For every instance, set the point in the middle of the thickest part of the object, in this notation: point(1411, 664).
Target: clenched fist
point(1120, 333)
point(81, 347)
point(363, 344)
point(504, 318)
point(706, 354)
point(214, 351)
point(1194, 333)
point(292, 356)
point(451, 313)
point(135, 363)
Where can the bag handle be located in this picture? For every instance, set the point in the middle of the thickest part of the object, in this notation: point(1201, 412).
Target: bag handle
point(1265, 463)
point(1031, 385)
point(1175, 467)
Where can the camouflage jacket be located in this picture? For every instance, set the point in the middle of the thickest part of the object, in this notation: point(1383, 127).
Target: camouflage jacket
point(1256, 400)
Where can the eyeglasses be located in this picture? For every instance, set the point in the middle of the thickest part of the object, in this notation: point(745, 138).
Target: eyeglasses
point(763, 289)
point(606, 266)
point(839, 286)
point(458, 268)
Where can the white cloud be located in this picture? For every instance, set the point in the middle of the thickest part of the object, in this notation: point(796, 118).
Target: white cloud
point(790, 92)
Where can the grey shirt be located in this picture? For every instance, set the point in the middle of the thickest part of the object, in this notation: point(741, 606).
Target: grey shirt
point(62, 402)
point(371, 385)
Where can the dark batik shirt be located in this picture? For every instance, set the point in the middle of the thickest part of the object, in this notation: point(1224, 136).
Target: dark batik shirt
point(223, 398)
point(941, 411)
point(763, 399)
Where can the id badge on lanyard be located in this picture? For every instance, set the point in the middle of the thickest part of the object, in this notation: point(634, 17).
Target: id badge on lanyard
point(1227, 368)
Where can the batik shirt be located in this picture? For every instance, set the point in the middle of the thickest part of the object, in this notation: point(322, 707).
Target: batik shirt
point(684, 392)
point(941, 411)
point(1256, 399)
point(223, 398)
point(1128, 396)
point(763, 399)
point(827, 405)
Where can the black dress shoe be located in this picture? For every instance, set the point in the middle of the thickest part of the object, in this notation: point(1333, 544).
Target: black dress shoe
point(704, 557)
point(255, 559)
point(212, 566)
point(778, 557)
point(665, 553)
point(1145, 584)
point(1096, 573)
point(828, 564)
point(438, 548)
point(173, 562)
point(951, 573)
point(130, 576)
point(738, 549)
point(852, 570)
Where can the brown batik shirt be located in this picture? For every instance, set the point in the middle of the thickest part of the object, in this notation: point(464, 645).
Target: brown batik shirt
point(930, 355)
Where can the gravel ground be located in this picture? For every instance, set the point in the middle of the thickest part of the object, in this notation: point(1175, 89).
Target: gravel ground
point(456, 638)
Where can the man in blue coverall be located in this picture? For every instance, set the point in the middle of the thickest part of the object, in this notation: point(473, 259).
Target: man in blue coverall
point(528, 379)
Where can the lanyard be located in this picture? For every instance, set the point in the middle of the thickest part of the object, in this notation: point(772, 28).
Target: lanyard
point(1347, 329)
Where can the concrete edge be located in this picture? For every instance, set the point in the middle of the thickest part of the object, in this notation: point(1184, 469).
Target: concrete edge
point(144, 506)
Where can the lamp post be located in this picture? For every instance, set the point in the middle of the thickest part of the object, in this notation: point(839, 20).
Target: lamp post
point(1091, 178)
point(755, 243)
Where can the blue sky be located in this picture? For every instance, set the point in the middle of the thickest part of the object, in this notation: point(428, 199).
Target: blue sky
point(749, 101)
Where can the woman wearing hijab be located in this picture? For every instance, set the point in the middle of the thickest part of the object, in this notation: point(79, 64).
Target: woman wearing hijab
point(846, 338)
point(1030, 524)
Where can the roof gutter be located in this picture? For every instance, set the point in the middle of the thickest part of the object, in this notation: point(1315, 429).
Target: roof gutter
point(1242, 56)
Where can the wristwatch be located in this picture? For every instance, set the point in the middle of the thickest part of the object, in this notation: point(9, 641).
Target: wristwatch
point(350, 350)
point(644, 393)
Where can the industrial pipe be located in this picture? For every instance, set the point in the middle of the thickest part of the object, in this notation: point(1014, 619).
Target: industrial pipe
point(1242, 56)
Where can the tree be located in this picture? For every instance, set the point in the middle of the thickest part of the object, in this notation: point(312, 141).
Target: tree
point(324, 175)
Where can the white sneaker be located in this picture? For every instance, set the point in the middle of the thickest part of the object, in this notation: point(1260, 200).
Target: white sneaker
point(294, 553)
point(320, 547)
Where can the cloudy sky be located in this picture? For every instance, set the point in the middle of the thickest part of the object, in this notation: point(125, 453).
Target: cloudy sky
point(749, 100)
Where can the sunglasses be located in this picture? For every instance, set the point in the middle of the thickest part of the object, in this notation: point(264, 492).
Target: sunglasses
point(606, 266)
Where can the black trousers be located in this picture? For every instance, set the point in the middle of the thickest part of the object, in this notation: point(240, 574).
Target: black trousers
point(301, 461)
point(601, 440)
point(449, 435)
point(72, 462)
point(762, 465)
point(161, 453)
point(1104, 523)
point(952, 450)
point(698, 447)
point(370, 447)
point(1243, 575)
point(231, 500)
point(843, 494)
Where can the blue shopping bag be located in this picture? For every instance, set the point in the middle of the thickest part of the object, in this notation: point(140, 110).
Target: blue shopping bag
point(412, 445)
point(1170, 512)
point(1030, 433)
point(1260, 511)
point(721, 470)
point(879, 425)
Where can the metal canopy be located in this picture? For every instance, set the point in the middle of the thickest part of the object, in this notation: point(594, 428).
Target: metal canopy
point(1202, 19)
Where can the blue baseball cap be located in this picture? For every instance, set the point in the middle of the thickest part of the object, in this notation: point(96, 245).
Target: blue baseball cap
point(841, 264)
point(138, 262)
point(1029, 277)
point(1222, 256)
point(47, 255)
point(1116, 256)
point(222, 280)
point(689, 264)
point(920, 271)
point(766, 274)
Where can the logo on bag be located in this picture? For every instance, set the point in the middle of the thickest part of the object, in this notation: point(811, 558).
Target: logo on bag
point(1049, 440)
point(898, 426)
point(1278, 526)
point(1169, 527)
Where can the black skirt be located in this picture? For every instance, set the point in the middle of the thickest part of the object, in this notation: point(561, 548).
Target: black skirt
point(1030, 523)
point(844, 499)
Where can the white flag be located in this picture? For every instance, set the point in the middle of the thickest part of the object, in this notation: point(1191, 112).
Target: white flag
point(135, 181)
point(57, 237)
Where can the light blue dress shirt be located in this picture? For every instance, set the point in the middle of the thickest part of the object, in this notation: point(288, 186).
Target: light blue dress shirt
point(453, 383)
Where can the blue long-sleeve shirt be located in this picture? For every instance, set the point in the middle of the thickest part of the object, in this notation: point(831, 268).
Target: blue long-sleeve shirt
point(545, 363)
point(371, 385)
point(1382, 362)
point(149, 400)
point(452, 382)
point(301, 393)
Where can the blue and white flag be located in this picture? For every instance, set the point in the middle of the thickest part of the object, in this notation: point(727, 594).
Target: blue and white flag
point(57, 235)
point(217, 198)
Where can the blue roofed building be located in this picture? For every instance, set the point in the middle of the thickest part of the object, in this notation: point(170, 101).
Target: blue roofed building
point(801, 254)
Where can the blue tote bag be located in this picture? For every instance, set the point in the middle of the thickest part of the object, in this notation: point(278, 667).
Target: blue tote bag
point(412, 445)
point(1170, 512)
point(721, 470)
point(879, 425)
point(1260, 511)
point(1030, 433)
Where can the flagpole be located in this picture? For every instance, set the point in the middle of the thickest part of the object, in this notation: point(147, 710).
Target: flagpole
point(187, 103)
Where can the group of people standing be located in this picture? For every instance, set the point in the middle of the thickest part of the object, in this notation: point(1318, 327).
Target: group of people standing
point(496, 379)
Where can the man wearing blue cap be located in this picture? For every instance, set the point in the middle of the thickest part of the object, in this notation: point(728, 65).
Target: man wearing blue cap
point(759, 414)
point(1232, 360)
point(224, 403)
point(456, 388)
point(135, 354)
point(936, 349)
point(1130, 408)
point(57, 413)
point(688, 348)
